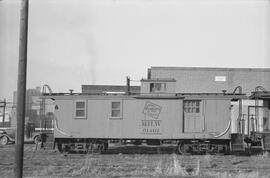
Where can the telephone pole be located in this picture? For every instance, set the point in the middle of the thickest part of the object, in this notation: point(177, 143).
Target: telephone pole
point(21, 89)
point(4, 110)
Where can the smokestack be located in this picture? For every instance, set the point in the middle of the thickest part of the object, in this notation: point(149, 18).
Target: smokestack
point(148, 73)
point(71, 91)
point(128, 86)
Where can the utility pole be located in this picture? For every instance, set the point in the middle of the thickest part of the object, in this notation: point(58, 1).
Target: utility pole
point(21, 89)
point(4, 114)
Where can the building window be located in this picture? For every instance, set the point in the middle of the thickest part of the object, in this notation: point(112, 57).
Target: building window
point(192, 106)
point(116, 109)
point(80, 109)
point(158, 87)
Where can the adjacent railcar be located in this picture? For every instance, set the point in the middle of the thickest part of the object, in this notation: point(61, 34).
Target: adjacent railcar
point(195, 122)
point(253, 134)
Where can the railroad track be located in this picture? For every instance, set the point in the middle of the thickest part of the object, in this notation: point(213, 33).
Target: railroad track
point(42, 162)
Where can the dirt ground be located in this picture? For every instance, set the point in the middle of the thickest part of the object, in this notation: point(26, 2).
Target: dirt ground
point(130, 161)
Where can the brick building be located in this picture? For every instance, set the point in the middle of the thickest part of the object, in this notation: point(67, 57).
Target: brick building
point(216, 80)
point(213, 80)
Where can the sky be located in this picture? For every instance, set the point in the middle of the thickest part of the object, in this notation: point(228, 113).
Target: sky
point(75, 42)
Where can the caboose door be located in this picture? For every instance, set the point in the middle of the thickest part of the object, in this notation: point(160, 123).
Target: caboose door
point(193, 121)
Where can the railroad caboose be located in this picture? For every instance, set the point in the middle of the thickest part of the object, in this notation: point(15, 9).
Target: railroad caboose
point(195, 122)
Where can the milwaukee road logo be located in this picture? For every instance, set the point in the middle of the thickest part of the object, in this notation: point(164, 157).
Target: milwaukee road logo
point(151, 124)
point(152, 110)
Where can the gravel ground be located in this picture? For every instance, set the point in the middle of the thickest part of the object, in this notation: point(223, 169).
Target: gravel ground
point(132, 161)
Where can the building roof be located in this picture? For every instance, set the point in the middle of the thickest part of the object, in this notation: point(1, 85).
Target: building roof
point(159, 80)
point(108, 88)
point(213, 79)
point(212, 69)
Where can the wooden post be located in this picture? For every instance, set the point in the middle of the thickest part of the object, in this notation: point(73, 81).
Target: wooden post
point(128, 86)
point(21, 89)
point(4, 110)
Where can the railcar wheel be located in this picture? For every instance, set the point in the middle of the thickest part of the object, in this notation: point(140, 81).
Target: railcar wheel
point(102, 147)
point(4, 140)
point(137, 142)
point(184, 148)
point(37, 139)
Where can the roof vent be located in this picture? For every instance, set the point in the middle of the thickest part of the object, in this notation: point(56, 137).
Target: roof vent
point(71, 91)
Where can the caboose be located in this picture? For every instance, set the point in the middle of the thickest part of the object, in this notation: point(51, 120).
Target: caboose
point(196, 122)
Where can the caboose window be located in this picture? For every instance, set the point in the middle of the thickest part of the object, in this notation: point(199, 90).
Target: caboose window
point(116, 109)
point(80, 109)
point(191, 106)
point(158, 87)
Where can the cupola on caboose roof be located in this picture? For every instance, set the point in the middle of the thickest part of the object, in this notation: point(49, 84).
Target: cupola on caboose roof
point(158, 86)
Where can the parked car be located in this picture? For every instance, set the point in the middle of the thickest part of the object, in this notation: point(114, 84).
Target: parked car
point(7, 135)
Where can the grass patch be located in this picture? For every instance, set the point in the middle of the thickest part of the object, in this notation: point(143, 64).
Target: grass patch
point(174, 167)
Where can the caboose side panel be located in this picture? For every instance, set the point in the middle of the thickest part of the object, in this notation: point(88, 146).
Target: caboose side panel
point(117, 118)
point(94, 123)
point(217, 116)
point(99, 127)
point(206, 117)
point(63, 118)
point(152, 119)
point(127, 117)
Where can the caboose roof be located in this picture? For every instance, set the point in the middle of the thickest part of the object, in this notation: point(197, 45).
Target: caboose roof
point(260, 95)
point(229, 96)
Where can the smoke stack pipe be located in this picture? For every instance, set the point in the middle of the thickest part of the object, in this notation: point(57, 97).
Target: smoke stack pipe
point(240, 110)
point(71, 91)
point(128, 86)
